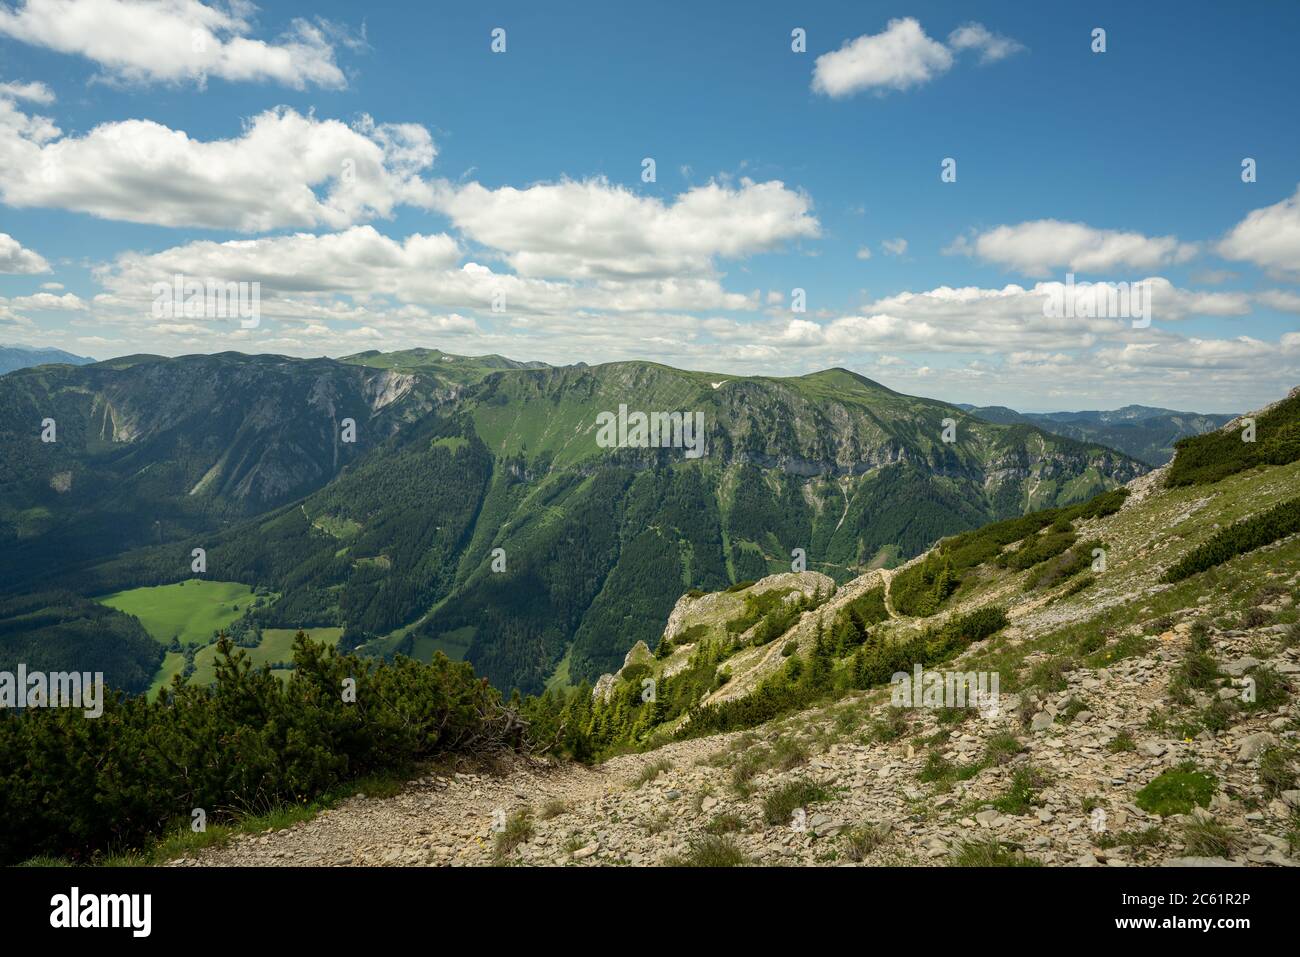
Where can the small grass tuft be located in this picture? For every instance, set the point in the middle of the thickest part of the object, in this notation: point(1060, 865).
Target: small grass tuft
point(780, 805)
point(710, 851)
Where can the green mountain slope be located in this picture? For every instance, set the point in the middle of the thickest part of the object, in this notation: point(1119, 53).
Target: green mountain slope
point(152, 449)
point(595, 543)
point(1085, 586)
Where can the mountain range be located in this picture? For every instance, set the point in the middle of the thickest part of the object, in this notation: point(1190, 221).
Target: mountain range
point(1146, 433)
point(23, 357)
point(423, 502)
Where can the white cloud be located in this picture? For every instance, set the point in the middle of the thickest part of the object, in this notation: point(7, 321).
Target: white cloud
point(176, 40)
point(1241, 353)
point(991, 46)
point(269, 177)
point(1284, 300)
point(900, 57)
point(1038, 247)
point(35, 92)
point(15, 259)
point(1268, 237)
point(864, 252)
point(359, 259)
point(894, 247)
point(68, 302)
point(12, 322)
point(1009, 320)
point(306, 274)
point(595, 230)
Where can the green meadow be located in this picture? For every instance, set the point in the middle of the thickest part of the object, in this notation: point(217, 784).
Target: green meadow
point(190, 610)
point(173, 664)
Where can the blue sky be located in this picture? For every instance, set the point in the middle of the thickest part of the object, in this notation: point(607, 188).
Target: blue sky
point(150, 140)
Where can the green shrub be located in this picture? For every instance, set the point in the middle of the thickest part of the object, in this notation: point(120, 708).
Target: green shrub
point(1247, 535)
point(1049, 573)
point(1037, 549)
point(921, 589)
point(1148, 837)
point(1090, 643)
point(1208, 458)
point(1087, 581)
point(553, 808)
point(71, 786)
point(936, 768)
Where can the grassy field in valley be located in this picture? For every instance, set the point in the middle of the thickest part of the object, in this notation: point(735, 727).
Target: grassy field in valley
point(189, 611)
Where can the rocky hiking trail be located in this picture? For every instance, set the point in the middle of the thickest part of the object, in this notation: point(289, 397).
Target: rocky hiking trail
point(443, 818)
point(645, 809)
point(1095, 705)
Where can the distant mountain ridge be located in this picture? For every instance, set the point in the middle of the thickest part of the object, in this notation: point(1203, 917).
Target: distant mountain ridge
point(1147, 433)
point(24, 357)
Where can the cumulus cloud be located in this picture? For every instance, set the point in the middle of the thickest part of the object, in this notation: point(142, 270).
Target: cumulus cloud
point(596, 230)
point(1009, 321)
point(68, 302)
point(1284, 300)
point(894, 247)
point(902, 56)
point(34, 92)
point(1241, 353)
point(176, 40)
point(991, 46)
point(284, 170)
point(306, 274)
point(15, 259)
point(1268, 237)
point(1038, 247)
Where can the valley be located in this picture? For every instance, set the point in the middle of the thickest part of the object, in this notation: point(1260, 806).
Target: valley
point(1140, 721)
point(1141, 643)
point(390, 539)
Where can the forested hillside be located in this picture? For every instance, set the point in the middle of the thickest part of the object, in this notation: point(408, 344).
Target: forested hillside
point(477, 513)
